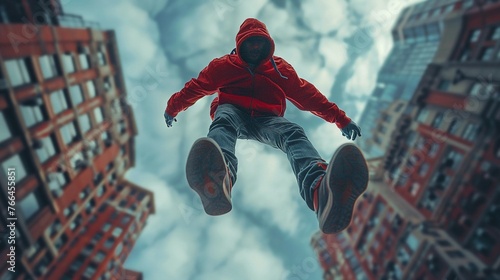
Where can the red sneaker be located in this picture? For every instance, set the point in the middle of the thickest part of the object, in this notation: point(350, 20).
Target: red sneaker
point(345, 180)
point(208, 175)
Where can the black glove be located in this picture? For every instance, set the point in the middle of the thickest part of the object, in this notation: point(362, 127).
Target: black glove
point(169, 119)
point(352, 130)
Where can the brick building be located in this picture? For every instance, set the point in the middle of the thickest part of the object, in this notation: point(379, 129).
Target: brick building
point(432, 207)
point(69, 133)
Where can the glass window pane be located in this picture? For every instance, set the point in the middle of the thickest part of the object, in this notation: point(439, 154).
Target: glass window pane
point(475, 35)
point(58, 101)
point(117, 231)
point(76, 94)
point(32, 111)
point(99, 117)
point(84, 122)
point(15, 72)
point(91, 88)
point(68, 133)
point(487, 54)
point(15, 162)
point(47, 150)
point(84, 61)
point(496, 33)
point(48, 66)
point(69, 63)
point(29, 205)
point(5, 131)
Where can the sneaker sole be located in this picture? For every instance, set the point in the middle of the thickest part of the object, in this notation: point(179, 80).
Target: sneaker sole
point(205, 173)
point(349, 177)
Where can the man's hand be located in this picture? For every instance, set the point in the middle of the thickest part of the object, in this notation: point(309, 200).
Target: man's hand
point(352, 130)
point(169, 119)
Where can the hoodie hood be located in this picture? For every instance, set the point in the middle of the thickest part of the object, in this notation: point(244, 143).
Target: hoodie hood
point(253, 27)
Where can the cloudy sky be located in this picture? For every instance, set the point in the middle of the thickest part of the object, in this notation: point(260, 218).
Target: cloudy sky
point(338, 45)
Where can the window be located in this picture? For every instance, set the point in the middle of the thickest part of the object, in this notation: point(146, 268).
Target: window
point(437, 120)
point(106, 227)
point(423, 169)
point(17, 163)
point(33, 111)
point(29, 205)
point(434, 149)
point(470, 131)
point(474, 37)
point(57, 181)
point(101, 55)
point(487, 54)
point(76, 223)
point(68, 133)
point(84, 58)
point(476, 89)
point(109, 242)
point(448, 8)
point(68, 211)
point(412, 242)
point(98, 115)
point(59, 243)
point(465, 55)
point(99, 257)
point(467, 4)
point(46, 148)
point(17, 70)
point(89, 207)
point(77, 161)
point(48, 64)
point(85, 193)
point(91, 88)
point(97, 237)
point(116, 232)
point(495, 35)
point(122, 126)
point(100, 191)
point(107, 84)
point(118, 249)
point(77, 263)
point(414, 188)
point(444, 85)
point(5, 131)
point(58, 101)
point(55, 227)
point(422, 115)
point(452, 129)
point(84, 121)
point(125, 220)
point(68, 62)
point(76, 94)
point(90, 270)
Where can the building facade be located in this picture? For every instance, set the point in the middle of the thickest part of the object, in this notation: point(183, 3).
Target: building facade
point(68, 133)
point(431, 209)
point(416, 35)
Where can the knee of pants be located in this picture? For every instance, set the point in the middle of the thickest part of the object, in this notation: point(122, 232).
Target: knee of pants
point(294, 129)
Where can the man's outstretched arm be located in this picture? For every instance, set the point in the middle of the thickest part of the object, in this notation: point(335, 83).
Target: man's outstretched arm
point(192, 91)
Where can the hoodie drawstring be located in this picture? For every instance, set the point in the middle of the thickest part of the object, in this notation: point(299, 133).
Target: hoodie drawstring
point(276, 69)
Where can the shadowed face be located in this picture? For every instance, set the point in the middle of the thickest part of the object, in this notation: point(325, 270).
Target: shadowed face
point(254, 49)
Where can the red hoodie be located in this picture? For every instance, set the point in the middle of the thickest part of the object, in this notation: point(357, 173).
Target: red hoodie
point(261, 91)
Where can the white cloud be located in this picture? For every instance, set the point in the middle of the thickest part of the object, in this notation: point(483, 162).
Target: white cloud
point(267, 186)
point(153, 7)
point(365, 75)
point(327, 138)
point(324, 16)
